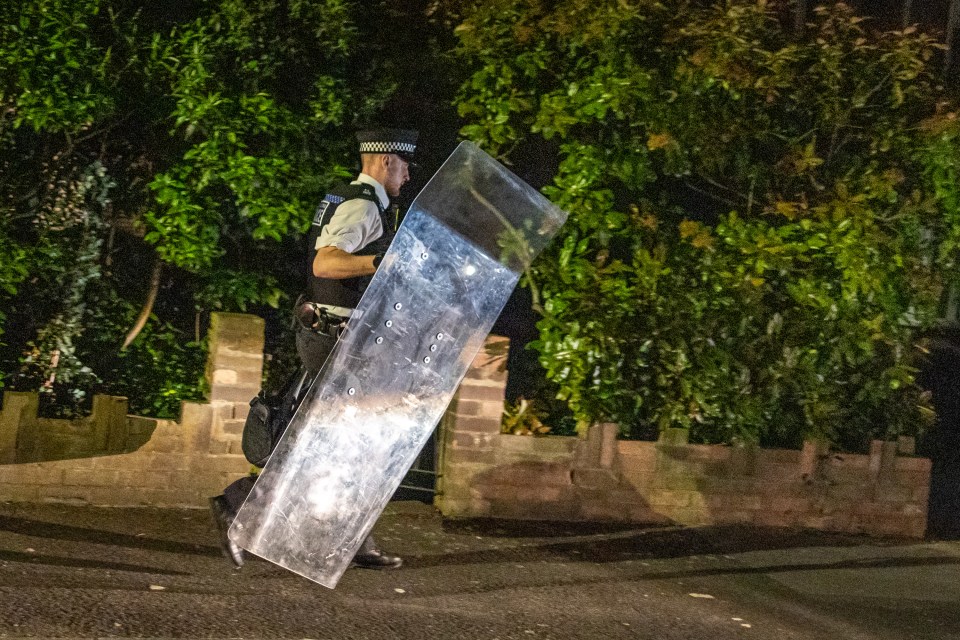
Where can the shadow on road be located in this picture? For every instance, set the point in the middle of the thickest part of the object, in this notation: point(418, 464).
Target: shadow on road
point(49, 530)
point(592, 542)
point(60, 561)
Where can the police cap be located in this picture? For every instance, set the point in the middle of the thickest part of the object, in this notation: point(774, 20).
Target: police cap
point(401, 142)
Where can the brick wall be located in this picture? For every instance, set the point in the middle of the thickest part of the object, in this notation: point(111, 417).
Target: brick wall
point(488, 474)
point(113, 459)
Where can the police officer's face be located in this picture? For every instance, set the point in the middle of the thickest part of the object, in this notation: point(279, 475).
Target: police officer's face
point(398, 173)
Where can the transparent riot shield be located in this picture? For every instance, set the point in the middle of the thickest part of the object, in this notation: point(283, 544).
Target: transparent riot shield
point(455, 260)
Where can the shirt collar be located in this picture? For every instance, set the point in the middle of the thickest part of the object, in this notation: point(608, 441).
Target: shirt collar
point(379, 188)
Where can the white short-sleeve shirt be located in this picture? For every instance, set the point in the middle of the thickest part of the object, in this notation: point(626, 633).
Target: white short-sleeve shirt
point(355, 223)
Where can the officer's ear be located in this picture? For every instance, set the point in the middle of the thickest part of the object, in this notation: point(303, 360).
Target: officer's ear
point(393, 159)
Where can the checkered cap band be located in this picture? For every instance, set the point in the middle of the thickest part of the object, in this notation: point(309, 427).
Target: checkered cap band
point(387, 147)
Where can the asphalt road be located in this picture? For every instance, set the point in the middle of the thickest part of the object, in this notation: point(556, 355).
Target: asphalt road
point(81, 572)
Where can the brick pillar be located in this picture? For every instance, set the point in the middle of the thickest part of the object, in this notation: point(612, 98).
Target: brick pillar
point(235, 358)
point(883, 457)
point(811, 458)
point(471, 428)
point(672, 470)
point(235, 374)
point(109, 420)
point(19, 409)
point(595, 462)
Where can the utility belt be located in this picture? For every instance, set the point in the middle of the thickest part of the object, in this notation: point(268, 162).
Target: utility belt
point(319, 318)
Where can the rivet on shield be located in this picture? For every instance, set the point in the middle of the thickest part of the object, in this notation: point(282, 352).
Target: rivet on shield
point(426, 360)
point(439, 336)
point(379, 339)
point(423, 256)
point(388, 323)
point(433, 347)
point(352, 391)
point(398, 306)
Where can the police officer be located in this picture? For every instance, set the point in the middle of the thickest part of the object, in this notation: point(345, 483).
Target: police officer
point(352, 229)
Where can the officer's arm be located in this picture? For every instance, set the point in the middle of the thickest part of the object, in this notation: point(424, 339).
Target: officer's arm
point(355, 224)
point(335, 263)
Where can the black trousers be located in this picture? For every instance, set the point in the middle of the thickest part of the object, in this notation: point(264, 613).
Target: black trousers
point(313, 349)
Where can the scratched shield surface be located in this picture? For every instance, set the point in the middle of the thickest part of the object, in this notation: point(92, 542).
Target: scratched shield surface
point(453, 264)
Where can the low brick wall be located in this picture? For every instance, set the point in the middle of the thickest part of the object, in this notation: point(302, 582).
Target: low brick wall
point(883, 493)
point(114, 459)
point(488, 474)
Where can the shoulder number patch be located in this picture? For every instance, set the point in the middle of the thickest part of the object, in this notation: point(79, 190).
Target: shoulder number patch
point(328, 200)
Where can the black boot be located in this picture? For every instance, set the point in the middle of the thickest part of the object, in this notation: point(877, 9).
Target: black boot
point(223, 516)
point(369, 556)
